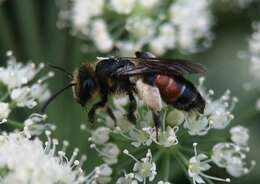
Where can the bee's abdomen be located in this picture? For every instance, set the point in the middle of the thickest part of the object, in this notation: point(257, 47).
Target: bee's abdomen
point(170, 88)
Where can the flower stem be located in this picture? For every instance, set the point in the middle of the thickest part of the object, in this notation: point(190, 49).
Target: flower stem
point(15, 124)
point(167, 161)
point(4, 97)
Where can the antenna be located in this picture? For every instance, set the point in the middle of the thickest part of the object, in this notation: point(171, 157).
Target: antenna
point(55, 95)
point(61, 69)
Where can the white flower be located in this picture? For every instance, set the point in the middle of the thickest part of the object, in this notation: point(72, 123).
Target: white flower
point(254, 56)
point(239, 135)
point(166, 137)
point(22, 97)
point(145, 168)
point(103, 174)
point(101, 36)
point(34, 126)
point(40, 92)
point(153, 23)
point(233, 158)
point(127, 179)
point(139, 137)
point(196, 124)
point(82, 11)
point(122, 6)
point(198, 165)
point(220, 110)
point(140, 26)
point(217, 113)
point(191, 30)
point(149, 4)
point(28, 161)
point(4, 111)
point(17, 74)
point(165, 40)
point(110, 153)
point(100, 135)
point(127, 48)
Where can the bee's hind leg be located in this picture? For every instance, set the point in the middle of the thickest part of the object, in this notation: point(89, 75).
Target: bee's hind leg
point(132, 107)
point(111, 114)
point(157, 123)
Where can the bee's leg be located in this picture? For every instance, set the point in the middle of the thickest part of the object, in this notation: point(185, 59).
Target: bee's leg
point(101, 103)
point(157, 123)
point(132, 107)
point(111, 114)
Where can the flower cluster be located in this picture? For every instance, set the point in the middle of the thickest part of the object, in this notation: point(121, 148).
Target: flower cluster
point(254, 58)
point(217, 113)
point(177, 129)
point(228, 155)
point(46, 164)
point(19, 88)
point(232, 155)
point(159, 25)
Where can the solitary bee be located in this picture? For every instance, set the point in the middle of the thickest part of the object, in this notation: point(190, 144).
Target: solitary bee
point(154, 79)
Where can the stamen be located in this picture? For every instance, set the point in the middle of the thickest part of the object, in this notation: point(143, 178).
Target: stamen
point(195, 148)
point(215, 178)
point(74, 155)
point(130, 155)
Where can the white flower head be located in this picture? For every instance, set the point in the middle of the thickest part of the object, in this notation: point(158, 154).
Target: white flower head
point(102, 174)
point(165, 40)
point(40, 92)
point(100, 135)
point(232, 157)
point(140, 24)
point(191, 30)
point(166, 137)
point(254, 56)
point(34, 126)
point(239, 135)
point(22, 97)
point(81, 13)
point(41, 167)
point(122, 6)
point(101, 36)
point(217, 114)
point(198, 165)
point(148, 4)
point(16, 74)
point(4, 111)
point(109, 152)
point(127, 179)
point(145, 168)
point(196, 124)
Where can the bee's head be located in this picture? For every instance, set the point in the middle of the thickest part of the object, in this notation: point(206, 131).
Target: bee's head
point(85, 84)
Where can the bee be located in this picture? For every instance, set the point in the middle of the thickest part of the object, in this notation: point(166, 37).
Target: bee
point(155, 80)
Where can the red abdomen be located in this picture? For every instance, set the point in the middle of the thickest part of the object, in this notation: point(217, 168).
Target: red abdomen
point(170, 88)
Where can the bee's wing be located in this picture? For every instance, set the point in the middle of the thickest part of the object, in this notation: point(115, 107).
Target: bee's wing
point(161, 66)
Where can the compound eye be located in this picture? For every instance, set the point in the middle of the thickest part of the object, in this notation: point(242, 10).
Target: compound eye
point(88, 84)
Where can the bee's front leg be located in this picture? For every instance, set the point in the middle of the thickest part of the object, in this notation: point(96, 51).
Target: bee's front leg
point(101, 103)
point(157, 123)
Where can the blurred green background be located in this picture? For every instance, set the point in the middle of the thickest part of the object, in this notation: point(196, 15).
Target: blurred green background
point(28, 27)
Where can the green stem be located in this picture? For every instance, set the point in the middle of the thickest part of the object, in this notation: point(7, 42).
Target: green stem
point(4, 97)
point(183, 164)
point(167, 161)
point(15, 124)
